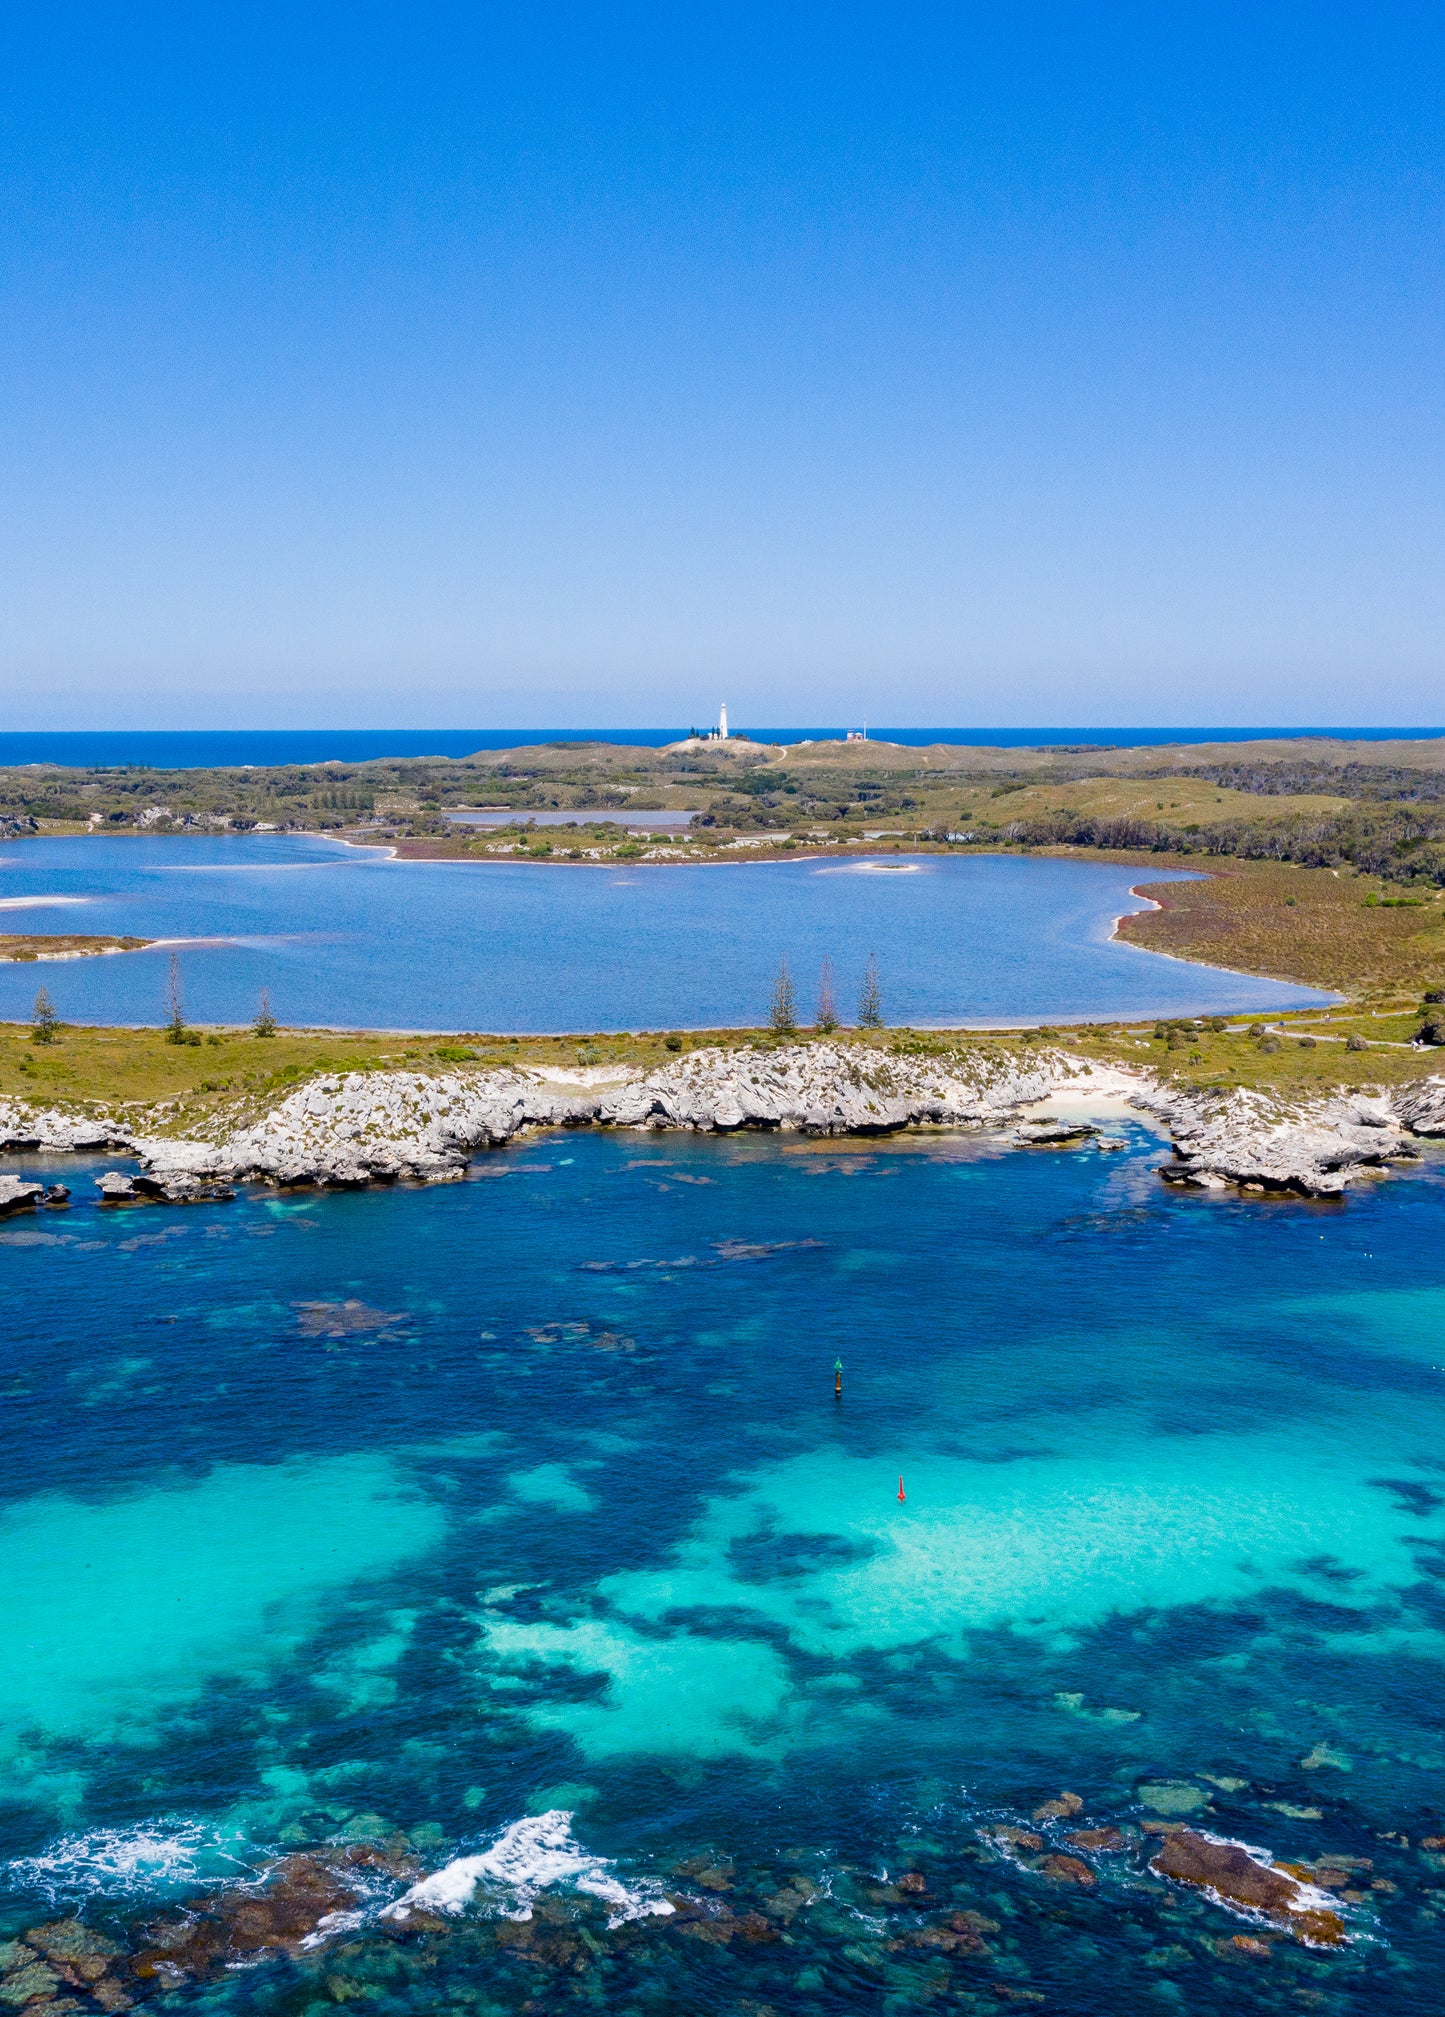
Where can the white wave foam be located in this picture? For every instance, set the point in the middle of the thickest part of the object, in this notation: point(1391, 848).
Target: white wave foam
point(334, 1923)
point(126, 1862)
point(530, 1856)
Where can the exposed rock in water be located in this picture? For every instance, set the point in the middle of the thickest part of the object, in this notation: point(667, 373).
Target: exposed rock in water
point(297, 1900)
point(16, 1195)
point(1266, 1141)
point(1061, 1809)
point(175, 1187)
point(1054, 1134)
point(1245, 1878)
point(179, 1188)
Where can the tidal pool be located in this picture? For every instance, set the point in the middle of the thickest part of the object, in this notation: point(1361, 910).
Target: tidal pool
point(449, 1513)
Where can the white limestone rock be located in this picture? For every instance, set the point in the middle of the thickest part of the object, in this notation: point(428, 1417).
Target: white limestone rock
point(382, 1127)
point(17, 1195)
point(27, 1127)
point(1243, 1136)
point(369, 1127)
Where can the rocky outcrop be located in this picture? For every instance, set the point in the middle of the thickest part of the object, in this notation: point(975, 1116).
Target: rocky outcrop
point(1251, 1881)
point(301, 1896)
point(829, 1089)
point(1263, 1142)
point(379, 1127)
point(369, 1127)
point(175, 1188)
point(18, 1196)
point(26, 1127)
point(1421, 1106)
point(1052, 1134)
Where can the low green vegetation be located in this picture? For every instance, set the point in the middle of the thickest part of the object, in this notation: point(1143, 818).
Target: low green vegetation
point(1318, 926)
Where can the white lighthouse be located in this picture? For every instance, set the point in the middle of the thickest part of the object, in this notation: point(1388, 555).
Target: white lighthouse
point(722, 723)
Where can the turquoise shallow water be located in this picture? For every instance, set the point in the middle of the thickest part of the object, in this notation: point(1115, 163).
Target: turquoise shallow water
point(349, 936)
point(432, 1510)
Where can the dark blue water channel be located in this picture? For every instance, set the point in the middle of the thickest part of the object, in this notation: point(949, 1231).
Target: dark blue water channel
point(426, 1512)
point(348, 936)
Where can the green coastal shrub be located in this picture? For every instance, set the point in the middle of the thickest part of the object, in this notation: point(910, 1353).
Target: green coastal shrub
point(46, 1021)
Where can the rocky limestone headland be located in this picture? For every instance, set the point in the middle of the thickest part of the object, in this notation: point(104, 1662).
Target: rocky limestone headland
point(380, 1126)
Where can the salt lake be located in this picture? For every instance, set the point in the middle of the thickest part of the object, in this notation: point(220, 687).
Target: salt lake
point(346, 936)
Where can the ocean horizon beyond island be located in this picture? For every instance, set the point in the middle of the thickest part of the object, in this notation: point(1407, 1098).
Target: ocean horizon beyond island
point(207, 748)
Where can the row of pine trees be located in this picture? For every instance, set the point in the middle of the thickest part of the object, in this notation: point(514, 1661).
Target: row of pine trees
point(783, 1009)
point(782, 1013)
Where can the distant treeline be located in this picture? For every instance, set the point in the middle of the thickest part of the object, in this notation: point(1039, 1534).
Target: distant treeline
point(1392, 840)
point(1309, 778)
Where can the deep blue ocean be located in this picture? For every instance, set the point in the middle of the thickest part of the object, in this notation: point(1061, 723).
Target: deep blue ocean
point(415, 1514)
point(194, 749)
point(344, 936)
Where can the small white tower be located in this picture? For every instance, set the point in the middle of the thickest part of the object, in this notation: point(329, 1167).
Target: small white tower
point(722, 723)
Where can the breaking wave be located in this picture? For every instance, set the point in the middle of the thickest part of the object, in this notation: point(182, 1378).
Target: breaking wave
point(530, 1856)
point(128, 1862)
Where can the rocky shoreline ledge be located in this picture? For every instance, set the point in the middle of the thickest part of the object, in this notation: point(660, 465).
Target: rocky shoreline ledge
point(377, 1127)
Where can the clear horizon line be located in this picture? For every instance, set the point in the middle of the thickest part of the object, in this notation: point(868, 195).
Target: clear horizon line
point(775, 728)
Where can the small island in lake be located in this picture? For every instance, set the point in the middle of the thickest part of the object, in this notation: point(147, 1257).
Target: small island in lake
point(65, 945)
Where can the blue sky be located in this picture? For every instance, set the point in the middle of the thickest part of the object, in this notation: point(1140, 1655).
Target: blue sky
point(586, 365)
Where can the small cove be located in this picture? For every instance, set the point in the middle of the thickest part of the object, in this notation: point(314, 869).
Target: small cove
point(351, 937)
